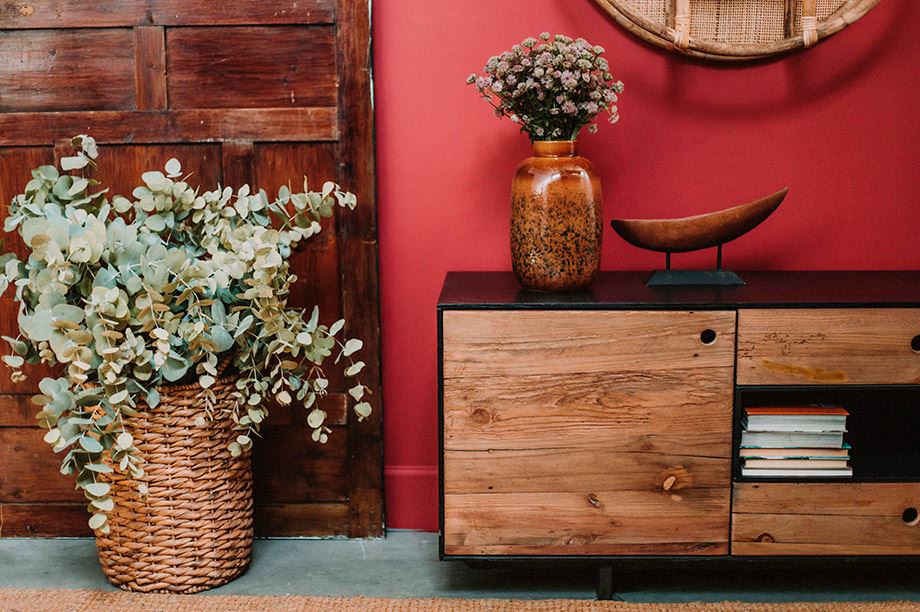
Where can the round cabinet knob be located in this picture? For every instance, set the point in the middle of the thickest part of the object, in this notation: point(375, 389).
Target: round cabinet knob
point(708, 336)
point(915, 343)
point(910, 516)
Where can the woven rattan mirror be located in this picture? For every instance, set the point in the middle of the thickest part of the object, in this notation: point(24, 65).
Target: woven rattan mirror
point(733, 30)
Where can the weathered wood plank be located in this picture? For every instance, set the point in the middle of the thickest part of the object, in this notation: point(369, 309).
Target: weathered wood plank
point(597, 468)
point(828, 346)
point(43, 520)
point(680, 411)
point(196, 125)
point(251, 67)
point(31, 471)
point(150, 67)
point(58, 70)
point(847, 499)
point(17, 410)
point(15, 167)
point(788, 534)
point(113, 13)
point(824, 519)
point(236, 159)
point(358, 259)
point(289, 467)
point(585, 522)
point(293, 414)
point(529, 343)
point(301, 520)
point(120, 166)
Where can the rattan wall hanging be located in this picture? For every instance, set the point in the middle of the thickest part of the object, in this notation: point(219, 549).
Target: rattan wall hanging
point(733, 30)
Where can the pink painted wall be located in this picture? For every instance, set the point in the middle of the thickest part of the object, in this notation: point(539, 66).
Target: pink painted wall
point(839, 124)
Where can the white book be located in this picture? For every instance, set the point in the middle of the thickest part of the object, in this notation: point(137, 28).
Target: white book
point(796, 473)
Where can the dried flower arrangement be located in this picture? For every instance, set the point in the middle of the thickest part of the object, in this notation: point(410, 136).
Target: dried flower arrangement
point(132, 294)
point(552, 88)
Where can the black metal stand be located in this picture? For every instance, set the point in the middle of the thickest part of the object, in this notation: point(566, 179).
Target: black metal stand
point(676, 278)
point(605, 583)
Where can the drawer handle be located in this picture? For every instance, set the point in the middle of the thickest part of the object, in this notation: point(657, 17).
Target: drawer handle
point(910, 516)
point(915, 343)
point(708, 336)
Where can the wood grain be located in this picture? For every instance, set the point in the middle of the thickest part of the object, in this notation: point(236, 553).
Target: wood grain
point(43, 520)
point(597, 468)
point(150, 67)
point(251, 67)
point(236, 160)
point(654, 411)
point(301, 520)
point(586, 433)
point(481, 344)
point(824, 519)
point(15, 166)
point(120, 166)
point(195, 125)
point(358, 261)
point(828, 346)
point(112, 13)
point(31, 472)
point(58, 70)
point(16, 410)
point(585, 522)
point(310, 472)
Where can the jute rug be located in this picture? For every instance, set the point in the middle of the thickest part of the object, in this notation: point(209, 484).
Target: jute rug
point(21, 600)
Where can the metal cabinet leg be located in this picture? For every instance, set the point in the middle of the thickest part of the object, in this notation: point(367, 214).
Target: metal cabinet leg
point(605, 583)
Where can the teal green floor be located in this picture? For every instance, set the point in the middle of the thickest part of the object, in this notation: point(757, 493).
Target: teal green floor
point(405, 564)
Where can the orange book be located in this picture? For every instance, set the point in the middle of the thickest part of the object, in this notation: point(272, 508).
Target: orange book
point(793, 410)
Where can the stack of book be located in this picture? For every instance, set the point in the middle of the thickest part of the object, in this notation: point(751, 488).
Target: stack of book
point(795, 442)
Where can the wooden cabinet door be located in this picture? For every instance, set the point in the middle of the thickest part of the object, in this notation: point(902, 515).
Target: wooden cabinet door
point(586, 432)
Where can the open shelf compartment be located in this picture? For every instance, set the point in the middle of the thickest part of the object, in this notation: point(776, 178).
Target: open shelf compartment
point(883, 428)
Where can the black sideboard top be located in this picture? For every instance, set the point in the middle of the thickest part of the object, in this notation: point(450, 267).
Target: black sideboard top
point(619, 290)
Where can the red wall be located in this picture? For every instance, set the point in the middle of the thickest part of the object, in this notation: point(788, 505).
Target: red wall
point(839, 124)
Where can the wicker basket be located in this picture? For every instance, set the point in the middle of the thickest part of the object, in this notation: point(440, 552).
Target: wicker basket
point(193, 531)
point(735, 30)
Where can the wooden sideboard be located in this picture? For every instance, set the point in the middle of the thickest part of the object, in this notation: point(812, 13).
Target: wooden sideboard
point(605, 424)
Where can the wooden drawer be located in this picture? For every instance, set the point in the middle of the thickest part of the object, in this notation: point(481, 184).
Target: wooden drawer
point(829, 346)
point(825, 519)
point(593, 433)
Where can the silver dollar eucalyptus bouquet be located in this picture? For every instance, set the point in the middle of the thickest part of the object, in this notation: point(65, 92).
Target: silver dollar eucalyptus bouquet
point(128, 294)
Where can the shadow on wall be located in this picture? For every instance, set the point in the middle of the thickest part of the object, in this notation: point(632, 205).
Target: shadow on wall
point(796, 76)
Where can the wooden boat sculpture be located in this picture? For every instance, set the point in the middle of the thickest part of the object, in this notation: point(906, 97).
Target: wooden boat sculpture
point(700, 231)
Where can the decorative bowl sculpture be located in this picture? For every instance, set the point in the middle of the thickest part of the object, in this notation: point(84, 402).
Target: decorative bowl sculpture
point(697, 232)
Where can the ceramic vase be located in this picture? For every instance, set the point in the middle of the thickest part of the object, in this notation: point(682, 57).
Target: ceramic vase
point(556, 219)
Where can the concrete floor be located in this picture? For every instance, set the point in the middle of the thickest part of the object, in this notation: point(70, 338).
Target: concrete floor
point(405, 564)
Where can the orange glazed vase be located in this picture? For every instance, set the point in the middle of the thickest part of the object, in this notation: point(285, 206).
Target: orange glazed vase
point(556, 219)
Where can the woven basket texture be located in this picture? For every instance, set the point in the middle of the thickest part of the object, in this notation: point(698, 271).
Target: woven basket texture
point(736, 22)
point(193, 530)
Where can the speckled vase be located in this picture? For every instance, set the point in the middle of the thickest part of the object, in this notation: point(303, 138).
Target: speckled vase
point(556, 219)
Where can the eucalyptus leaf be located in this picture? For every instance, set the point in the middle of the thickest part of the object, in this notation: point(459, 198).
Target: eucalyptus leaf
point(98, 489)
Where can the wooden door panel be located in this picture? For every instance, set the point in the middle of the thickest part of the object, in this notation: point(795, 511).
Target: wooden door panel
point(56, 70)
point(264, 94)
point(251, 67)
point(586, 432)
